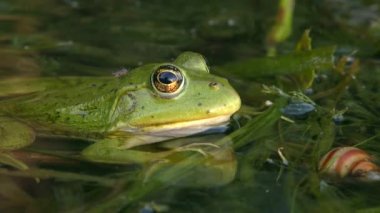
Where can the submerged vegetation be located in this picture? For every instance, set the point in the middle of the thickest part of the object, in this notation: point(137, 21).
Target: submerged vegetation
point(302, 98)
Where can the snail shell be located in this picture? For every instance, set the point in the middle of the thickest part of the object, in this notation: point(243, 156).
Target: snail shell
point(347, 161)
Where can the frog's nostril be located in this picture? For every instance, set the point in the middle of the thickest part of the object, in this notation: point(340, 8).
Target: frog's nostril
point(214, 85)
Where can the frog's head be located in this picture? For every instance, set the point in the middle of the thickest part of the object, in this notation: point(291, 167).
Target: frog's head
point(176, 98)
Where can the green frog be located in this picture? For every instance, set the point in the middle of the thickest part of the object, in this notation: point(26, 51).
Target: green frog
point(152, 103)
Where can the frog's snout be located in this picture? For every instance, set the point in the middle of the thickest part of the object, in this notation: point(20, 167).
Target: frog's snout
point(228, 100)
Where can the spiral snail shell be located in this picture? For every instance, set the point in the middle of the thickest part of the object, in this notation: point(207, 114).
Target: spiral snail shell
point(347, 161)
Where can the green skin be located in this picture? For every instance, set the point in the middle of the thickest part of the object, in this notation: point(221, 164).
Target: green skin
point(116, 113)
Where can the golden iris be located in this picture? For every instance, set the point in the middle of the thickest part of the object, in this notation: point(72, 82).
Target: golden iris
point(167, 79)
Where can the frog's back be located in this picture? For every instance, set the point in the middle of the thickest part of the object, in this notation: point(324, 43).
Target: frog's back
point(72, 104)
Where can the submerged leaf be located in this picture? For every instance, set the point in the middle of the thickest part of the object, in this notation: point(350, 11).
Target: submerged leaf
point(298, 62)
point(304, 79)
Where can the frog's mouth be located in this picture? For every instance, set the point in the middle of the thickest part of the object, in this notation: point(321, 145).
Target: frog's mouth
point(182, 129)
point(162, 132)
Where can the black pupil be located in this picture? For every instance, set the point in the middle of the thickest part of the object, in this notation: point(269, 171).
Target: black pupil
point(167, 77)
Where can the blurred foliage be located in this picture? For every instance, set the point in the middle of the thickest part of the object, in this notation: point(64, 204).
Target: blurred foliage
point(282, 27)
point(277, 156)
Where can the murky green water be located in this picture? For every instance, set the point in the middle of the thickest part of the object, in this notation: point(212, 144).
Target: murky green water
point(88, 38)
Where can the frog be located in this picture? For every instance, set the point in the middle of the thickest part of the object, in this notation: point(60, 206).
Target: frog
point(152, 103)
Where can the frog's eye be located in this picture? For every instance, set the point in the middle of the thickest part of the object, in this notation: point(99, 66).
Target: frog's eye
point(167, 80)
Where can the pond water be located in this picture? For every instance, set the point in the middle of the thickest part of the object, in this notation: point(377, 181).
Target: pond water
point(270, 161)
